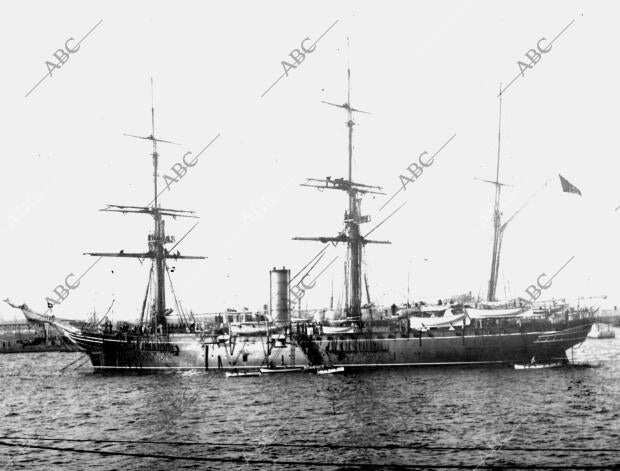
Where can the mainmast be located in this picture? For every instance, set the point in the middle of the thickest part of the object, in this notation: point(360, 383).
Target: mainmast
point(159, 234)
point(352, 218)
point(158, 238)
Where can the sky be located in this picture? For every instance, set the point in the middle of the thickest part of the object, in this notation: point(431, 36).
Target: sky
point(424, 70)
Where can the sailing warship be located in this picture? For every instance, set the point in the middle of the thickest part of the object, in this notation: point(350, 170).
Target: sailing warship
point(353, 336)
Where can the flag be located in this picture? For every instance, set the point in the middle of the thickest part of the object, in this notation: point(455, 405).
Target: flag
point(568, 187)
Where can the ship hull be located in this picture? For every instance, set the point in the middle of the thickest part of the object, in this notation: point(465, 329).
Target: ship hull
point(362, 350)
point(185, 351)
point(445, 348)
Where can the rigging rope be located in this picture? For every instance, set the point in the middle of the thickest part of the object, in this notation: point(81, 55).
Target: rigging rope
point(146, 295)
point(182, 315)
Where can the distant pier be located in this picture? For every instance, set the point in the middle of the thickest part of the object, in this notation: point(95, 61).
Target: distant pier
point(23, 337)
point(609, 316)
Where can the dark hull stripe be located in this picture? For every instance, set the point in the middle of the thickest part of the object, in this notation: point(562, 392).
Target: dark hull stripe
point(190, 352)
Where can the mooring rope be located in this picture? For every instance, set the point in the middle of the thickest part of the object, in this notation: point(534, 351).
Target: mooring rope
point(243, 459)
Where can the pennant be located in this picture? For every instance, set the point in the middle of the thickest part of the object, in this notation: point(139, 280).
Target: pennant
point(568, 187)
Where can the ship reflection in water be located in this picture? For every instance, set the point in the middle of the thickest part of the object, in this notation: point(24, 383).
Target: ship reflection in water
point(435, 414)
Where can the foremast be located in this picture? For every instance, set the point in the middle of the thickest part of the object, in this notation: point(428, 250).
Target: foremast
point(353, 217)
point(158, 238)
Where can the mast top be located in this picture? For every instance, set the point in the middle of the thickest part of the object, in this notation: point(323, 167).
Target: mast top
point(499, 134)
point(340, 183)
point(496, 182)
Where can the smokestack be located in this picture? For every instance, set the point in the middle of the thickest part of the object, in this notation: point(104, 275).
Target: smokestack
point(279, 281)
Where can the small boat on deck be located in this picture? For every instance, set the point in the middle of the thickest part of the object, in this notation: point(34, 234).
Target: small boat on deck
point(281, 369)
point(537, 366)
point(242, 374)
point(330, 370)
